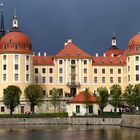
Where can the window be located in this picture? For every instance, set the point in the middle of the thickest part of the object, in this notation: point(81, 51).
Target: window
point(27, 67)
point(60, 79)
point(85, 62)
point(111, 79)
point(16, 57)
point(119, 71)
point(77, 108)
point(16, 46)
point(16, 66)
point(128, 78)
point(95, 71)
point(128, 59)
point(128, 68)
point(36, 79)
point(90, 109)
point(43, 70)
point(137, 67)
point(16, 76)
point(50, 79)
point(27, 58)
point(85, 70)
point(85, 79)
point(43, 79)
point(103, 71)
point(27, 77)
point(137, 77)
point(119, 79)
point(60, 62)
point(60, 70)
point(136, 58)
point(4, 46)
point(137, 48)
point(44, 92)
point(4, 67)
point(73, 71)
point(73, 62)
point(36, 70)
point(50, 70)
point(95, 79)
point(4, 77)
point(103, 79)
point(2, 109)
point(111, 71)
point(4, 57)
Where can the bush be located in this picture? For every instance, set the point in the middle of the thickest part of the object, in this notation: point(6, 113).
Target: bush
point(40, 115)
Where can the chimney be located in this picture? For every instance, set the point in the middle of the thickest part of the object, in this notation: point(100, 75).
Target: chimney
point(104, 54)
point(96, 55)
point(39, 53)
point(45, 53)
point(112, 55)
point(33, 53)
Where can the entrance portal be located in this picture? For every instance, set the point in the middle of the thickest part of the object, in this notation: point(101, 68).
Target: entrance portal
point(73, 91)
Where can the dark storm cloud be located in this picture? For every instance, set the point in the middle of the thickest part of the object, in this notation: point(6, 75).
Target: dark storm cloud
point(89, 23)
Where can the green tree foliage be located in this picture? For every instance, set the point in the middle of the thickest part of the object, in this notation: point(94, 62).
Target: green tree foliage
point(137, 95)
point(34, 95)
point(55, 98)
point(103, 97)
point(130, 96)
point(11, 97)
point(115, 94)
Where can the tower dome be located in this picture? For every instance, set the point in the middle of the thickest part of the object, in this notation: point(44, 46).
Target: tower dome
point(134, 44)
point(15, 42)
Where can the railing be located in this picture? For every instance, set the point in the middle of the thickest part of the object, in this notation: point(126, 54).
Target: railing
point(73, 84)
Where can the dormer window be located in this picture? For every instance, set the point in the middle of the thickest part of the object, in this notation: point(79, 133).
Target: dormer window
point(27, 47)
point(102, 61)
point(16, 46)
point(67, 53)
point(110, 61)
point(4, 46)
point(78, 53)
point(137, 48)
point(10, 40)
point(120, 62)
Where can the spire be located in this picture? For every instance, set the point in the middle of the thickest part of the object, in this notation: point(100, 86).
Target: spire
point(15, 21)
point(2, 30)
point(114, 41)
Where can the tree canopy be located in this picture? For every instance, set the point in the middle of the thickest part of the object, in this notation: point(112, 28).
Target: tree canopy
point(34, 95)
point(11, 97)
point(103, 97)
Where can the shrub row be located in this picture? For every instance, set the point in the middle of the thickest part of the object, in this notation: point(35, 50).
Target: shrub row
point(40, 115)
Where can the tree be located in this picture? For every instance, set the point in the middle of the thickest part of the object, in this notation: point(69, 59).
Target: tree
point(11, 97)
point(137, 96)
point(102, 98)
point(34, 95)
point(55, 98)
point(87, 99)
point(115, 94)
point(129, 96)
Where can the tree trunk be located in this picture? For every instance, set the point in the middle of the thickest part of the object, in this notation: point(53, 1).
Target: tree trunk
point(11, 112)
point(32, 109)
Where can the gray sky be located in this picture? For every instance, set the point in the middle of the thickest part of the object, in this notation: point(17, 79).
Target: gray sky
point(89, 23)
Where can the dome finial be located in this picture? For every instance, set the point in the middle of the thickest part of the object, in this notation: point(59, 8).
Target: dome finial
point(15, 26)
point(114, 41)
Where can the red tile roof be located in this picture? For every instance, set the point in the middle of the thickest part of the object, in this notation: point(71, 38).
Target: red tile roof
point(80, 98)
point(72, 51)
point(101, 60)
point(43, 60)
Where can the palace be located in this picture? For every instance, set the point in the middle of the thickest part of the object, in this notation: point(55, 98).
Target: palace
point(72, 70)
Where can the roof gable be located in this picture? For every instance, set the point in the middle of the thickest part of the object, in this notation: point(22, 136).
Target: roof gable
point(70, 50)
